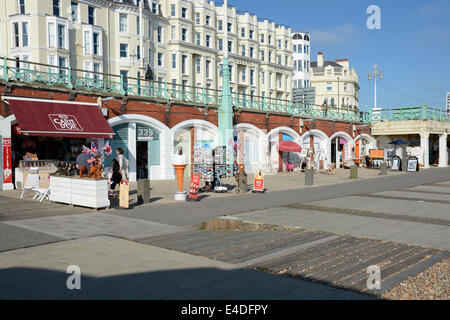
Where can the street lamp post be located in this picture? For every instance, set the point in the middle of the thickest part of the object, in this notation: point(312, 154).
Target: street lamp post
point(225, 112)
point(373, 76)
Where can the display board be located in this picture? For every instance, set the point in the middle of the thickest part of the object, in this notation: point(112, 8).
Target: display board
point(258, 183)
point(203, 161)
point(194, 187)
point(418, 153)
point(221, 169)
point(412, 165)
point(396, 162)
point(378, 154)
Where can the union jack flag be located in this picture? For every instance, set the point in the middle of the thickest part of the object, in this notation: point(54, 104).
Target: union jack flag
point(85, 149)
point(107, 149)
point(94, 149)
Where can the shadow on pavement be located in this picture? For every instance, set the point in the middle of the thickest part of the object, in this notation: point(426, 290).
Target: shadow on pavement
point(199, 283)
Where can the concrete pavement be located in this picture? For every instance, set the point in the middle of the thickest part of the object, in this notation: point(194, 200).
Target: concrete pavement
point(114, 268)
point(171, 220)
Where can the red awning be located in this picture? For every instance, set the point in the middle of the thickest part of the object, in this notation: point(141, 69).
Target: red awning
point(59, 118)
point(289, 146)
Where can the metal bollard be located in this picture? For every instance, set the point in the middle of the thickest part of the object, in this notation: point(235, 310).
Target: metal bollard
point(143, 191)
point(383, 169)
point(353, 172)
point(404, 165)
point(309, 177)
point(243, 182)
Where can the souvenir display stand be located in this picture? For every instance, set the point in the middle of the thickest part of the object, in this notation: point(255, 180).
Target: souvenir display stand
point(85, 192)
point(43, 167)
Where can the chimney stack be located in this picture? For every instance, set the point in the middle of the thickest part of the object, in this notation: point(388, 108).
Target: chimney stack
point(320, 59)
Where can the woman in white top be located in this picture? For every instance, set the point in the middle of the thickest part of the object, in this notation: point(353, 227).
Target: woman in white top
point(119, 170)
point(123, 164)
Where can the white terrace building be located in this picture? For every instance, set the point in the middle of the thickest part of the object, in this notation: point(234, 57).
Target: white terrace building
point(336, 84)
point(181, 40)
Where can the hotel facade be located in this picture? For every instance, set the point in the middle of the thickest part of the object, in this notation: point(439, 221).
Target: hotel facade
point(181, 41)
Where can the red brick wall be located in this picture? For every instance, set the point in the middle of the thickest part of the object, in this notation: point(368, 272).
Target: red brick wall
point(179, 113)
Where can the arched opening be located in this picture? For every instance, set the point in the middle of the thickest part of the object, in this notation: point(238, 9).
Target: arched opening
point(144, 141)
point(194, 136)
point(250, 147)
point(342, 149)
point(279, 160)
point(316, 142)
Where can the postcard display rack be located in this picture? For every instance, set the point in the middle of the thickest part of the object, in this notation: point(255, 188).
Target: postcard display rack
point(221, 169)
point(203, 162)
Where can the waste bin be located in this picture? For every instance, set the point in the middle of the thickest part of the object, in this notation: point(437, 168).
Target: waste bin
point(309, 177)
point(143, 191)
point(353, 172)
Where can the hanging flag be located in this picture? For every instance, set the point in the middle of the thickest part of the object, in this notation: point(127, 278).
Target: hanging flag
point(94, 149)
point(107, 149)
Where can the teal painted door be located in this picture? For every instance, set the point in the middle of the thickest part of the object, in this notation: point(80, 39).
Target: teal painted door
point(154, 157)
point(120, 140)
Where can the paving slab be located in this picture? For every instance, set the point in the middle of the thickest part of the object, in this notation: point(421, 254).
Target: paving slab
point(91, 224)
point(415, 196)
point(12, 237)
point(133, 270)
point(393, 206)
point(13, 208)
point(414, 233)
point(443, 189)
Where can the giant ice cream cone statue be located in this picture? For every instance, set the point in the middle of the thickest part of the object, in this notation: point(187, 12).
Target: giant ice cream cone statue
point(180, 174)
point(179, 163)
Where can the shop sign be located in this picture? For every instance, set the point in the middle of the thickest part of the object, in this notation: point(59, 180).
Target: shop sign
point(146, 134)
point(7, 162)
point(258, 183)
point(65, 122)
point(193, 190)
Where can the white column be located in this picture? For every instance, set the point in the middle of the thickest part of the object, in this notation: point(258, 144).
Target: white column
point(424, 143)
point(443, 156)
point(132, 150)
point(338, 165)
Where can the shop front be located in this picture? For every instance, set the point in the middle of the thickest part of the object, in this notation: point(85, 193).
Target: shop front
point(196, 138)
point(318, 149)
point(280, 159)
point(343, 153)
point(147, 144)
point(41, 134)
point(250, 147)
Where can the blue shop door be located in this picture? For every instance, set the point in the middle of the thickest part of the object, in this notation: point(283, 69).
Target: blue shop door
point(120, 140)
point(154, 154)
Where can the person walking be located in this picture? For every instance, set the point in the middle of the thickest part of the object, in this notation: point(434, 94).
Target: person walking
point(119, 170)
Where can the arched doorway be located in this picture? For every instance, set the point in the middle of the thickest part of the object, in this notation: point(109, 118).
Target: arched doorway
point(278, 160)
point(320, 143)
point(363, 143)
point(146, 144)
point(251, 146)
point(342, 152)
point(193, 135)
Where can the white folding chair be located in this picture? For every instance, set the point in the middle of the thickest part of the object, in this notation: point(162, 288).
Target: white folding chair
point(42, 193)
point(31, 184)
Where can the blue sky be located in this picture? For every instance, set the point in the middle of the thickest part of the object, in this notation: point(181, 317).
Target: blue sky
point(412, 48)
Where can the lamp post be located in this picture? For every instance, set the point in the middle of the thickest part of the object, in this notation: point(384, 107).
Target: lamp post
point(225, 112)
point(373, 76)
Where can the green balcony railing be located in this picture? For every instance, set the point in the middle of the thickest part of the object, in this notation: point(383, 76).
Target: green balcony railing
point(411, 113)
point(59, 76)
